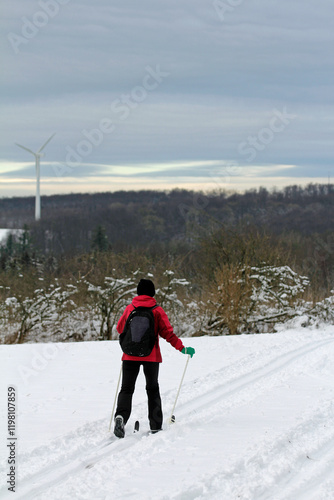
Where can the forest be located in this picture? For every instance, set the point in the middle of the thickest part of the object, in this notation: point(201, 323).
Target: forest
point(228, 262)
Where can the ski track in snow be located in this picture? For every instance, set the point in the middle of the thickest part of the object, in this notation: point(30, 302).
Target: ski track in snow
point(236, 390)
point(290, 466)
point(284, 470)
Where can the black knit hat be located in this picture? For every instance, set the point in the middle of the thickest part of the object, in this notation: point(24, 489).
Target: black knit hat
point(146, 287)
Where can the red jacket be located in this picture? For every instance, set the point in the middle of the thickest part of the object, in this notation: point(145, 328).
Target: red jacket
point(162, 328)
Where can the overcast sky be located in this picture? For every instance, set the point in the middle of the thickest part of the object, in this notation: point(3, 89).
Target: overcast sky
point(200, 94)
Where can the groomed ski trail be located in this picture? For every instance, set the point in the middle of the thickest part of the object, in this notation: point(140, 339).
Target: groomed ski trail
point(51, 475)
point(296, 462)
point(231, 387)
point(235, 389)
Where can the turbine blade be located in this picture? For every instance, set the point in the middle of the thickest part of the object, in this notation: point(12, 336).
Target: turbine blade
point(27, 149)
point(47, 142)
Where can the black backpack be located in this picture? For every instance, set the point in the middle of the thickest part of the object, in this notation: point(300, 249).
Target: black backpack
point(138, 337)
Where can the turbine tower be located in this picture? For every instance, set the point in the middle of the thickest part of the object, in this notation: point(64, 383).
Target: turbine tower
point(37, 156)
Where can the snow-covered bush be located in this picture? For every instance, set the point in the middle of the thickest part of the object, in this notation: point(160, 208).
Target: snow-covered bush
point(276, 295)
point(108, 300)
point(192, 319)
point(246, 300)
point(43, 311)
point(7, 319)
point(167, 295)
point(322, 312)
point(251, 297)
point(276, 286)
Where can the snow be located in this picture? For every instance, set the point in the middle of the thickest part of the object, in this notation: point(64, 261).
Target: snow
point(254, 421)
point(4, 233)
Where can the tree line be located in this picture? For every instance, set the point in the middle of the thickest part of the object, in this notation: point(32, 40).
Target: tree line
point(230, 248)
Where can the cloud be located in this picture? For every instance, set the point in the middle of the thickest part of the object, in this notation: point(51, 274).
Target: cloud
point(209, 170)
point(225, 79)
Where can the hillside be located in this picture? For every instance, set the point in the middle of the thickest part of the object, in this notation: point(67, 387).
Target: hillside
point(141, 218)
point(237, 253)
point(254, 421)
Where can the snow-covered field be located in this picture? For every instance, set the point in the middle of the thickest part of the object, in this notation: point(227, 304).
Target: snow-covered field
point(254, 420)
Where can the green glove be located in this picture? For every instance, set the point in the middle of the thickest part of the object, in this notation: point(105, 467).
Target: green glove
point(188, 350)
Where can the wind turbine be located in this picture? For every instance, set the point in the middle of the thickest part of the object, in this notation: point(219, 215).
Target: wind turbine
point(38, 155)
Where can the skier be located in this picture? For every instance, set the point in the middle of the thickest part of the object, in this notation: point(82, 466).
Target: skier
point(131, 364)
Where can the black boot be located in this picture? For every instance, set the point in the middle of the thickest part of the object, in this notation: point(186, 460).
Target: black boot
point(119, 427)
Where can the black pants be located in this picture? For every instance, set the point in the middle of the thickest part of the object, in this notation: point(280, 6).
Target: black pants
point(130, 372)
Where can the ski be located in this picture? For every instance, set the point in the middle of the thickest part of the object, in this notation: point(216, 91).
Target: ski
point(113, 440)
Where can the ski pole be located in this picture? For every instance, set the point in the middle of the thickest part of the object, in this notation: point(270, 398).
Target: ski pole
point(172, 418)
point(113, 408)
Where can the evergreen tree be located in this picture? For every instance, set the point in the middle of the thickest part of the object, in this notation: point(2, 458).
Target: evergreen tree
point(100, 240)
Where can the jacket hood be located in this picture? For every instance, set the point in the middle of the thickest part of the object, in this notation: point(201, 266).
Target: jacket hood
point(143, 301)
